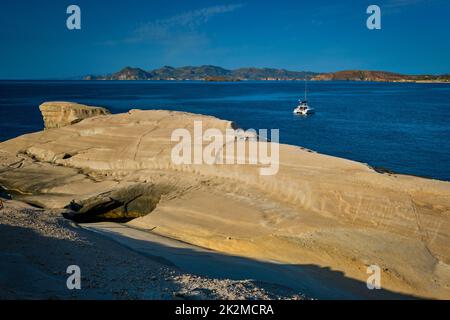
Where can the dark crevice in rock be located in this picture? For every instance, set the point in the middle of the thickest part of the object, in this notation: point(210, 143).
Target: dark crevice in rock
point(4, 194)
point(119, 205)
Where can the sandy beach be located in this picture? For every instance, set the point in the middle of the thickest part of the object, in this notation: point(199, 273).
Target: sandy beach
point(320, 221)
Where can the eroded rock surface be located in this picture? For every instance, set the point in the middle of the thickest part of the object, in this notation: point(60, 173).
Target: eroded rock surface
point(61, 114)
point(336, 214)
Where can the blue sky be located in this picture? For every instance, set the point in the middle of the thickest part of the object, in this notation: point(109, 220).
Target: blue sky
point(298, 35)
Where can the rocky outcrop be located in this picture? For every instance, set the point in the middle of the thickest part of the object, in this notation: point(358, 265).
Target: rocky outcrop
point(61, 114)
point(378, 76)
point(361, 75)
point(316, 211)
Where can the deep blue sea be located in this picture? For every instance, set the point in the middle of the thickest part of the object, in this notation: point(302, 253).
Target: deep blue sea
point(403, 127)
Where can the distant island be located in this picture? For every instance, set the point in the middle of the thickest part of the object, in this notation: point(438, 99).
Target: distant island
point(215, 73)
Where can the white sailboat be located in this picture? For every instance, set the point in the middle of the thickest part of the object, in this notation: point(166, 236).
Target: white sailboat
point(303, 108)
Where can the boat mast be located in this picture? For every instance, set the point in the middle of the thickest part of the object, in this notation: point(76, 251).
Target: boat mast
point(305, 86)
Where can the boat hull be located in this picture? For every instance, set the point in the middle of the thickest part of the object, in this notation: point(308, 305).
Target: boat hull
point(304, 112)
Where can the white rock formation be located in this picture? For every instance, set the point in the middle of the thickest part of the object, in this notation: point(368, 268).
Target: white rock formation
point(60, 114)
point(318, 210)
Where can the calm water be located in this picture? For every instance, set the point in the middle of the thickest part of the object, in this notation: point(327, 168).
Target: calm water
point(398, 126)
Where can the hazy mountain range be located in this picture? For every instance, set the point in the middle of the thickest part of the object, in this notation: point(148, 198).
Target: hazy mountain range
point(215, 73)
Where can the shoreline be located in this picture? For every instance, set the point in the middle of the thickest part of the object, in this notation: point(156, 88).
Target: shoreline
point(208, 81)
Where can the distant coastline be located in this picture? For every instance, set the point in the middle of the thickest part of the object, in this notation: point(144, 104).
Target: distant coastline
point(215, 73)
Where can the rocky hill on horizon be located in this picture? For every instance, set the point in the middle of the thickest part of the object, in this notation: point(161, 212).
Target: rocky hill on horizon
point(205, 73)
point(215, 73)
point(383, 76)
